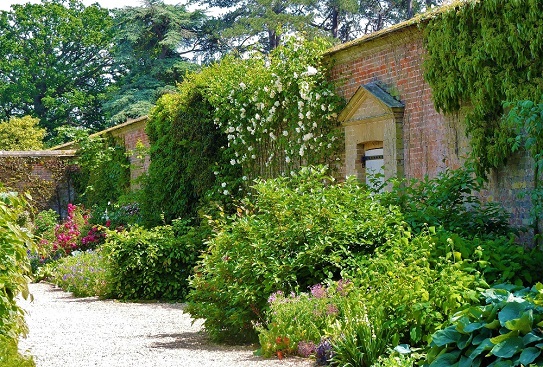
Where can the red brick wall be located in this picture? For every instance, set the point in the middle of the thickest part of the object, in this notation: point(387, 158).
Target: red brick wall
point(432, 142)
point(132, 134)
point(395, 60)
point(43, 174)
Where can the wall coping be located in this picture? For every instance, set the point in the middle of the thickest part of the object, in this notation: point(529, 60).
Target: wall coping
point(37, 153)
point(126, 124)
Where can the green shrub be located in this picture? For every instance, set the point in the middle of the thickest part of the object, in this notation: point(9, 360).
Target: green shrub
point(84, 274)
point(44, 224)
point(420, 283)
point(9, 355)
point(153, 264)
point(104, 171)
point(505, 331)
point(15, 241)
point(395, 360)
point(450, 201)
point(296, 232)
point(499, 259)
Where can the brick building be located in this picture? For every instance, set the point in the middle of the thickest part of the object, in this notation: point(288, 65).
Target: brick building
point(390, 108)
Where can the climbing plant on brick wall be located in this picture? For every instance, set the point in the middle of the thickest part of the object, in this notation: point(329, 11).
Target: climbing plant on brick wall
point(38, 176)
point(480, 54)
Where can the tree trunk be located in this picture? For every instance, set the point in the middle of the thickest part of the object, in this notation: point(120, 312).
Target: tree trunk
point(410, 9)
point(335, 22)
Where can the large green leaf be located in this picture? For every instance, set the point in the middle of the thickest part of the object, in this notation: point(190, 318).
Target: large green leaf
point(446, 336)
point(511, 311)
point(500, 338)
point(508, 347)
point(531, 337)
point(529, 355)
point(483, 347)
point(524, 323)
point(446, 360)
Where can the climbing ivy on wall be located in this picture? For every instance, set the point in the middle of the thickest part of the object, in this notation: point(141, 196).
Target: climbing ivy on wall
point(20, 173)
point(480, 54)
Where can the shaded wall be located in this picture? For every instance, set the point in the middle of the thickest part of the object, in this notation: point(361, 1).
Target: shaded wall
point(45, 175)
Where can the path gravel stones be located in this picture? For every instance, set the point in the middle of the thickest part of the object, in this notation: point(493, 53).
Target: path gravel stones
point(82, 332)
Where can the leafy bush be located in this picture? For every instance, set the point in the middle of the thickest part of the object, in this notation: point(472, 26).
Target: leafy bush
point(15, 241)
point(84, 274)
point(153, 264)
point(499, 259)
point(505, 331)
point(44, 224)
point(21, 133)
point(450, 201)
point(9, 355)
point(296, 232)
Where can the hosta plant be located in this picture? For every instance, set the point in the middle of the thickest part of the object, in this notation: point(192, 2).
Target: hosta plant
point(505, 331)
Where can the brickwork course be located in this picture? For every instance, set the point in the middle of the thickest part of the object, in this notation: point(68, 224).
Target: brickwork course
point(430, 142)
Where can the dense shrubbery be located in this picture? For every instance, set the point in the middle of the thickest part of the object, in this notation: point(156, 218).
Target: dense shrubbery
point(15, 241)
point(296, 232)
point(152, 264)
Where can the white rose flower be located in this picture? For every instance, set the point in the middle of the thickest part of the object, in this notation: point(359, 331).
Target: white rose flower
point(223, 184)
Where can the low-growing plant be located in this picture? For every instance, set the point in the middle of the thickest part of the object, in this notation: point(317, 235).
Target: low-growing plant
point(361, 337)
point(155, 263)
point(505, 331)
point(419, 283)
point(302, 320)
point(44, 224)
point(395, 359)
point(295, 232)
point(84, 274)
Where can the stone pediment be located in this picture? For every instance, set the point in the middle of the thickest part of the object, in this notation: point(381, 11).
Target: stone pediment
point(369, 102)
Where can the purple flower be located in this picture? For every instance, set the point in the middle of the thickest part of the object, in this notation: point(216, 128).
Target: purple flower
point(305, 349)
point(318, 291)
point(274, 296)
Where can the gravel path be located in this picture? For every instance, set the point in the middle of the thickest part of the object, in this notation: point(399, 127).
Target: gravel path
point(82, 332)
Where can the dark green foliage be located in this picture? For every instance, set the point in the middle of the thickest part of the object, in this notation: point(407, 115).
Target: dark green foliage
point(295, 232)
point(148, 40)
point(498, 260)
point(481, 53)
point(153, 264)
point(186, 148)
point(104, 171)
point(449, 200)
point(55, 62)
point(505, 331)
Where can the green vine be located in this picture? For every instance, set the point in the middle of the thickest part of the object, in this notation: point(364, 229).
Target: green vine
point(480, 54)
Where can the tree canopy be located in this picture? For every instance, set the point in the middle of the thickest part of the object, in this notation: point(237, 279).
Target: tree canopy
point(21, 133)
point(148, 42)
point(55, 62)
